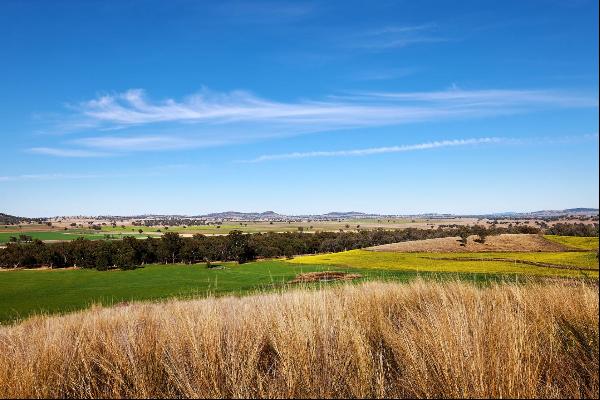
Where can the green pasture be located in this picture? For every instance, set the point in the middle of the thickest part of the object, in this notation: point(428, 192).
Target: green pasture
point(26, 292)
point(63, 235)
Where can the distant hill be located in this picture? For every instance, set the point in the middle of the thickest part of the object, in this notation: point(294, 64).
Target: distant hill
point(347, 214)
point(558, 213)
point(271, 215)
point(582, 210)
point(334, 215)
point(6, 219)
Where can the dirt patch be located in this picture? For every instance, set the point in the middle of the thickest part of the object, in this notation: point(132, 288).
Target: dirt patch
point(505, 242)
point(325, 276)
point(43, 268)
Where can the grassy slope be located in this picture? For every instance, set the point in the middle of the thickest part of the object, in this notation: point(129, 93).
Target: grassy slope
point(418, 262)
point(576, 242)
point(417, 340)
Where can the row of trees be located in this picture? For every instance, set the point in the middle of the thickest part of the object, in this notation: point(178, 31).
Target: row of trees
point(236, 246)
point(576, 229)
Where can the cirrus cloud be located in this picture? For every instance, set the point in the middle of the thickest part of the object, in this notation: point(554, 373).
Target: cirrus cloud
point(132, 122)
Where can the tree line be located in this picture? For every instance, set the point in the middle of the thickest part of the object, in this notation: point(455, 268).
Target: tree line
point(172, 248)
point(574, 229)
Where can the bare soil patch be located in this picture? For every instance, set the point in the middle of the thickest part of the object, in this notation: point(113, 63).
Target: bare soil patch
point(505, 242)
point(42, 268)
point(325, 276)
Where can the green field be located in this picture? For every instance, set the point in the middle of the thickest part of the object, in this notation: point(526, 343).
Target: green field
point(25, 292)
point(576, 242)
point(62, 235)
point(427, 262)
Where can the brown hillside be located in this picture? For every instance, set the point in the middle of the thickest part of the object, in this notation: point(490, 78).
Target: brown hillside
point(506, 242)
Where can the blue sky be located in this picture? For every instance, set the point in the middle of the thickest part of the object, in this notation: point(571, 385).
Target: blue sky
point(298, 107)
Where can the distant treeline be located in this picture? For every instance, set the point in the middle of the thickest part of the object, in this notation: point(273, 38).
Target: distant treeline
point(576, 229)
point(236, 246)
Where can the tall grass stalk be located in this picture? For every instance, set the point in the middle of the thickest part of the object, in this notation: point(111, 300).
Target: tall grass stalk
point(421, 339)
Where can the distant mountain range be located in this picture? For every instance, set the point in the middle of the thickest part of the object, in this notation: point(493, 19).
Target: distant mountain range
point(242, 215)
point(551, 213)
point(273, 216)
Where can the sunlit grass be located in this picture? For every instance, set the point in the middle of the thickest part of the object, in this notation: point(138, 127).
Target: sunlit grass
point(427, 262)
point(375, 340)
point(5, 237)
point(576, 242)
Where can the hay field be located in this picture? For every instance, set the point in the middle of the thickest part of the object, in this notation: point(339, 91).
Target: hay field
point(372, 340)
point(575, 242)
point(562, 264)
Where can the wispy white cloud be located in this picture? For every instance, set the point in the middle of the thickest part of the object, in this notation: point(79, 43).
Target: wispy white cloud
point(568, 139)
point(48, 177)
point(143, 143)
point(66, 152)
point(377, 150)
point(134, 108)
point(160, 170)
point(212, 119)
point(396, 36)
point(482, 98)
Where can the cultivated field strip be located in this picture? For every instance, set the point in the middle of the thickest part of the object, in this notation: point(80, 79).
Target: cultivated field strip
point(577, 264)
point(516, 261)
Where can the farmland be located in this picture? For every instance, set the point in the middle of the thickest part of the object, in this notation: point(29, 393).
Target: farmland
point(62, 231)
point(357, 291)
point(575, 242)
point(66, 228)
point(574, 264)
point(60, 236)
point(279, 226)
point(24, 292)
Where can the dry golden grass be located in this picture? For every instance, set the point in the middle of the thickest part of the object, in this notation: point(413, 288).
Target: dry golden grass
point(506, 242)
point(421, 339)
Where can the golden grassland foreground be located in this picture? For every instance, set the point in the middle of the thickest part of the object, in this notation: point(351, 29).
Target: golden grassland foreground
point(421, 339)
